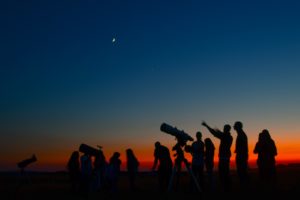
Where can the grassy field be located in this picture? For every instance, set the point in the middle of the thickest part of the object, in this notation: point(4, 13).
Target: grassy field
point(56, 186)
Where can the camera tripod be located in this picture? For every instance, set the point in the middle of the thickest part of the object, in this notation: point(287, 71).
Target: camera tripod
point(22, 179)
point(177, 167)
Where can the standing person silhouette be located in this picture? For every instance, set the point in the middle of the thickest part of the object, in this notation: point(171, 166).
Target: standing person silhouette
point(197, 152)
point(73, 167)
point(132, 167)
point(209, 155)
point(224, 154)
point(241, 150)
point(113, 171)
point(100, 165)
point(86, 173)
point(266, 150)
point(162, 156)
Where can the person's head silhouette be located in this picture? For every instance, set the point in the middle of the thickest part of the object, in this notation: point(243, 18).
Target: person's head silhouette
point(199, 135)
point(129, 153)
point(157, 144)
point(74, 156)
point(208, 142)
point(238, 126)
point(116, 155)
point(265, 135)
point(227, 128)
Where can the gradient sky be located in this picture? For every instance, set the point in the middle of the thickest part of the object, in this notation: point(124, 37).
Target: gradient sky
point(64, 82)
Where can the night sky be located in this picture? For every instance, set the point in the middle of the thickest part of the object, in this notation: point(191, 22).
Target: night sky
point(64, 81)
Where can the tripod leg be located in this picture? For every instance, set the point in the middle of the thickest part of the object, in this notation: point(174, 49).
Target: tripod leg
point(193, 176)
point(171, 179)
point(28, 178)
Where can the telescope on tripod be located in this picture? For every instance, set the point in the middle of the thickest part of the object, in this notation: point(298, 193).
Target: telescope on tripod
point(24, 176)
point(182, 138)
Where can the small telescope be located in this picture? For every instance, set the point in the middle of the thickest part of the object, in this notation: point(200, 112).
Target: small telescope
point(181, 136)
point(26, 162)
point(84, 148)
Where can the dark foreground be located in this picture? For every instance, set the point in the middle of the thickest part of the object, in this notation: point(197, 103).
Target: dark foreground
point(56, 186)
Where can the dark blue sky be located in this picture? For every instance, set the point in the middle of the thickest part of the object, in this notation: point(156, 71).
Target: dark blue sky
point(177, 61)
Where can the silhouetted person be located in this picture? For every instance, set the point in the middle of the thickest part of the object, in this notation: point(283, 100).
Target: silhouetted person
point(113, 171)
point(132, 167)
point(241, 150)
point(86, 173)
point(100, 165)
point(178, 162)
point(266, 150)
point(209, 154)
point(162, 156)
point(224, 153)
point(73, 167)
point(198, 158)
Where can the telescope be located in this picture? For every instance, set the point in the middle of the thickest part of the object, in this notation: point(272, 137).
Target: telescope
point(181, 136)
point(27, 161)
point(84, 148)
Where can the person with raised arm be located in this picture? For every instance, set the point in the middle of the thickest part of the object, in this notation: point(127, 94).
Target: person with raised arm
point(224, 153)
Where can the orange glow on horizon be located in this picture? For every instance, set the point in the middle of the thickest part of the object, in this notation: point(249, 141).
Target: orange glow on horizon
point(288, 152)
point(145, 163)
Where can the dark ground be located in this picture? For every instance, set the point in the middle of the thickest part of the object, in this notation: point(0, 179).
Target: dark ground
point(56, 186)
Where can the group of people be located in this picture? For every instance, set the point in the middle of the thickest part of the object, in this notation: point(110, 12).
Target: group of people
point(203, 158)
point(265, 148)
point(86, 176)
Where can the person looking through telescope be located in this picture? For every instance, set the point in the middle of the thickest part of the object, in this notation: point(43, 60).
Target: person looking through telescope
point(86, 173)
point(73, 167)
point(178, 160)
point(162, 156)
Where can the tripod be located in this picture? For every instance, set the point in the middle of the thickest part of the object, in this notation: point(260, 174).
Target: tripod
point(177, 167)
point(23, 178)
